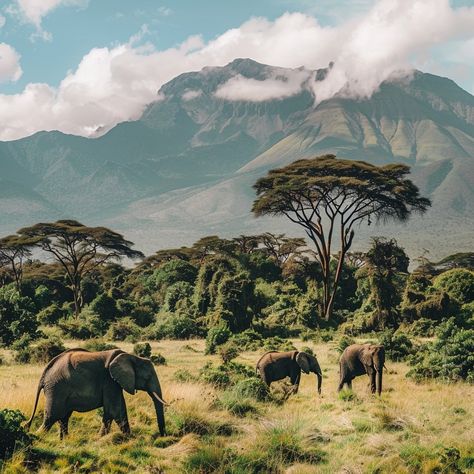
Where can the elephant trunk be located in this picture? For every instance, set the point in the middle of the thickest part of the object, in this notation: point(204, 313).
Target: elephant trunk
point(160, 412)
point(320, 381)
point(379, 380)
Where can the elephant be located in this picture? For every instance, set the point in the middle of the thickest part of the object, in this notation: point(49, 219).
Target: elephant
point(80, 380)
point(273, 366)
point(359, 359)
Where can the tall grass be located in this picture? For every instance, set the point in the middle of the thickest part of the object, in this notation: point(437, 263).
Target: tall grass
point(411, 428)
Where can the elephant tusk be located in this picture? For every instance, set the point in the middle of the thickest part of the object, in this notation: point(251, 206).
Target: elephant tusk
point(160, 399)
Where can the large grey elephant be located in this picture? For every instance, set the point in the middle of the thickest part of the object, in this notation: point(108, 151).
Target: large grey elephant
point(360, 359)
point(273, 366)
point(79, 380)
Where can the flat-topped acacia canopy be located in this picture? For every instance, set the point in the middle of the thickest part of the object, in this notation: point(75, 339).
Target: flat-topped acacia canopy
point(342, 192)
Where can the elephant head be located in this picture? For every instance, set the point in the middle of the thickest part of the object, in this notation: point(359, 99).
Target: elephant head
point(137, 373)
point(308, 363)
point(373, 358)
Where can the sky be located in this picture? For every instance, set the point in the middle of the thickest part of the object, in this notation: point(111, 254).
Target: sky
point(82, 65)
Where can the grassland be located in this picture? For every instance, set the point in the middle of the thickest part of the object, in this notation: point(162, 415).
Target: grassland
point(409, 429)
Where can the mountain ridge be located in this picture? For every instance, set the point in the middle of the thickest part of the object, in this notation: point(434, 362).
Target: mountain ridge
point(187, 166)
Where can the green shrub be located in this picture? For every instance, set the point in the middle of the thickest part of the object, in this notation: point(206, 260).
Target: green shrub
point(105, 307)
point(175, 326)
point(142, 349)
point(458, 283)
point(216, 336)
point(158, 359)
point(248, 340)
point(276, 343)
point(450, 357)
point(123, 329)
point(177, 292)
point(253, 388)
point(50, 315)
point(183, 375)
point(344, 341)
point(98, 345)
point(398, 346)
point(142, 315)
point(422, 327)
point(12, 434)
point(235, 404)
point(217, 376)
point(40, 353)
point(228, 351)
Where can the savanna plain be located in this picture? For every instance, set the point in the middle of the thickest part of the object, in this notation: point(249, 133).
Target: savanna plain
point(415, 427)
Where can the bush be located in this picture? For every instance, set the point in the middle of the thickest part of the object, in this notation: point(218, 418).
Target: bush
point(41, 353)
point(398, 346)
point(216, 336)
point(177, 292)
point(12, 434)
point(50, 315)
point(105, 307)
point(458, 283)
point(276, 343)
point(142, 315)
point(183, 375)
point(158, 359)
point(123, 329)
point(175, 326)
point(252, 387)
point(422, 327)
point(98, 345)
point(248, 340)
point(450, 357)
point(142, 349)
point(228, 351)
point(344, 341)
point(224, 375)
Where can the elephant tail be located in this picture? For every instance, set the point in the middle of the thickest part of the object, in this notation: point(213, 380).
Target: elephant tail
point(38, 391)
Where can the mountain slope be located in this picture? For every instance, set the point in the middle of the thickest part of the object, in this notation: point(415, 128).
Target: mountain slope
point(186, 168)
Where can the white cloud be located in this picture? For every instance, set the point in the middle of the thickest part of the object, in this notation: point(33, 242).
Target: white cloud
point(3, 20)
point(10, 69)
point(191, 94)
point(33, 11)
point(115, 84)
point(252, 90)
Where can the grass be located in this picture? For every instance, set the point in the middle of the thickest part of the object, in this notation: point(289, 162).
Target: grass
point(412, 428)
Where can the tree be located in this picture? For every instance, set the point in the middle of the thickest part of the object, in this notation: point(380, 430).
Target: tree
point(328, 196)
point(79, 249)
point(280, 247)
point(457, 260)
point(13, 250)
point(384, 260)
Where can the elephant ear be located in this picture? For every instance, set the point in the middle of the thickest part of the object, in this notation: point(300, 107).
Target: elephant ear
point(302, 360)
point(122, 371)
point(366, 356)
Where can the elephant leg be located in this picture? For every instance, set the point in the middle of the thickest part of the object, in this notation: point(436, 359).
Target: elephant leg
point(372, 381)
point(64, 426)
point(106, 424)
point(121, 417)
point(295, 382)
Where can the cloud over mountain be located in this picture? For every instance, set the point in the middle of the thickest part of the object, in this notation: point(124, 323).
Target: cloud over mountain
point(115, 84)
point(10, 69)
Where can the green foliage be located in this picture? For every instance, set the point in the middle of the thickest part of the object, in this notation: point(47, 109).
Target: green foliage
point(450, 357)
point(216, 336)
point(175, 326)
point(124, 329)
point(276, 343)
point(224, 375)
point(98, 345)
point(248, 340)
point(105, 307)
point(142, 349)
point(172, 272)
point(184, 376)
point(50, 315)
point(344, 341)
point(12, 434)
point(228, 351)
point(252, 387)
point(458, 283)
point(17, 315)
point(398, 346)
point(177, 292)
point(39, 353)
point(158, 359)
point(422, 327)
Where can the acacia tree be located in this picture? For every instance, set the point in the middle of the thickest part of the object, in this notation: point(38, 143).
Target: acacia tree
point(13, 250)
point(328, 196)
point(79, 249)
point(280, 247)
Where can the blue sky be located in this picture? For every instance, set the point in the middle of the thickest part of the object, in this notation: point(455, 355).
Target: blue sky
point(48, 39)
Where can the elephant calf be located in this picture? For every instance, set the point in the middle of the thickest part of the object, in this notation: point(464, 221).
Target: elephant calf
point(274, 366)
point(359, 359)
point(79, 380)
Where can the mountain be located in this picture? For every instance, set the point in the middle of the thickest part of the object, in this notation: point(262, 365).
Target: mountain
point(186, 167)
